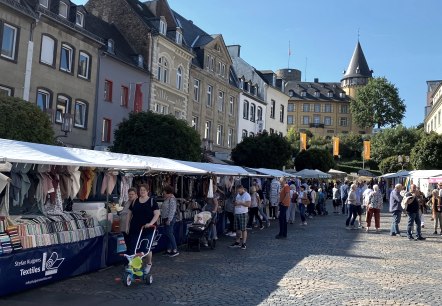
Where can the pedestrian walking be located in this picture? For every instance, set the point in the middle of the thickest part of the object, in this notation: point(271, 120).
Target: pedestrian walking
point(396, 209)
point(374, 207)
point(254, 210)
point(336, 197)
point(413, 215)
point(293, 202)
point(242, 204)
point(351, 204)
point(437, 210)
point(302, 204)
point(168, 219)
point(284, 203)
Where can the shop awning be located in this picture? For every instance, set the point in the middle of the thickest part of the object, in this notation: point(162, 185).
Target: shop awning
point(310, 173)
point(34, 153)
point(274, 172)
point(218, 169)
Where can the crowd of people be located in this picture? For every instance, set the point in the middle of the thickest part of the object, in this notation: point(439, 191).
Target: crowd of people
point(281, 199)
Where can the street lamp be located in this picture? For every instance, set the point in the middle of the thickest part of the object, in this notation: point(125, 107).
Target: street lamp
point(66, 126)
point(403, 160)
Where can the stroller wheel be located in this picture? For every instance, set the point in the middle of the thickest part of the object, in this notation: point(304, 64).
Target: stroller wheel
point(148, 279)
point(127, 279)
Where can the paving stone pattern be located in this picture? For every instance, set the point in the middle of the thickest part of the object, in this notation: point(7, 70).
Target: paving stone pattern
point(318, 264)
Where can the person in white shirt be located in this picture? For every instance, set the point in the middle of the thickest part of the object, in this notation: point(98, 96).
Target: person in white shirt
point(242, 204)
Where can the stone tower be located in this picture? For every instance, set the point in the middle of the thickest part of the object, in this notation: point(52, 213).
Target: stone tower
point(357, 73)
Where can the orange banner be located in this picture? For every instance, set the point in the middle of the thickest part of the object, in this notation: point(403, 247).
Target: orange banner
point(303, 141)
point(335, 146)
point(367, 149)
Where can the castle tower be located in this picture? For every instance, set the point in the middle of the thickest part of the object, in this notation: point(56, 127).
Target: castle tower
point(357, 73)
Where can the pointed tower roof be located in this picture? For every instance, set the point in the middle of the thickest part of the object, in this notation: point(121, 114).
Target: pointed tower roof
point(358, 66)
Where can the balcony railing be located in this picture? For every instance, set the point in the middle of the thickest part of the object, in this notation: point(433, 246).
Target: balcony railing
point(317, 125)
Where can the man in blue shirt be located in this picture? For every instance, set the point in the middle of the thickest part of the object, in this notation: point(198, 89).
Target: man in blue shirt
point(344, 195)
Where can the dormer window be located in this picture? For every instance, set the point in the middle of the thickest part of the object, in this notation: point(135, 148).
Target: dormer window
point(63, 10)
point(274, 80)
point(79, 19)
point(241, 83)
point(140, 61)
point(303, 93)
point(342, 95)
point(110, 46)
point(163, 27)
point(330, 94)
point(179, 37)
point(317, 94)
point(44, 3)
point(291, 93)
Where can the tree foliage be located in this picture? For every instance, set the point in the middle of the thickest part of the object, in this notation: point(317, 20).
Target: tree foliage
point(394, 141)
point(378, 104)
point(263, 151)
point(390, 164)
point(350, 145)
point(150, 134)
point(314, 158)
point(24, 121)
point(427, 153)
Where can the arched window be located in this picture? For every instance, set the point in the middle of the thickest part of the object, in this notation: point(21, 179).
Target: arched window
point(179, 78)
point(259, 114)
point(245, 111)
point(252, 112)
point(163, 72)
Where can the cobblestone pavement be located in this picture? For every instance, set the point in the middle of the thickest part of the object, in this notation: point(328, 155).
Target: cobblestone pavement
point(319, 264)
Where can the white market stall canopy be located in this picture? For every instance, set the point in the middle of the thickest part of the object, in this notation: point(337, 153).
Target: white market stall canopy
point(217, 169)
point(310, 173)
point(402, 173)
point(425, 173)
point(273, 172)
point(34, 153)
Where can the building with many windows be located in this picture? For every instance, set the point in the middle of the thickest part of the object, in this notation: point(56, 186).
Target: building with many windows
point(51, 57)
point(432, 122)
point(252, 106)
point(151, 29)
point(324, 107)
point(212, 107)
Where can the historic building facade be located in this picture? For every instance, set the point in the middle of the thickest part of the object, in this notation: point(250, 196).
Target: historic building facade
point(324, 107)
point(432, 122)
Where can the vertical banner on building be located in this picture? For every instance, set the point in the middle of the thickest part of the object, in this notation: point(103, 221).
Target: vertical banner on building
point(303, 141)
point(138, 100)
point(367, 149)
point(335, 146)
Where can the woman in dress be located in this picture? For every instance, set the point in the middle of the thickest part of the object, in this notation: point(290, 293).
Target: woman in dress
point(144, 214)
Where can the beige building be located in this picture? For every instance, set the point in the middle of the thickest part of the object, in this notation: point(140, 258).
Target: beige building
point(55, 64)
point(432, 121)
point(324, 107)
point(150, 27)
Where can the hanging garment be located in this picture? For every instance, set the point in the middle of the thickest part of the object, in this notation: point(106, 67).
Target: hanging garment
point(109, 182)
point(75, 177)
point(65, 182)
point(87, 177)
point(4, 203)
point(126, 183)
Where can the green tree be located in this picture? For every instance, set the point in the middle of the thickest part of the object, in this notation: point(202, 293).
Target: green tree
point(378, 104)
point(150, 134)
point(350, 146)
point(314, 158)
point(389, 164)
point(24, 121)
point(263, 151)
point(427, 153)
point(394, 141)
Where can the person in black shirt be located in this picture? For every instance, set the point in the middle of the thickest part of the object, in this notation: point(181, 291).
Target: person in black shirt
point(143, 214)
point(413, 215)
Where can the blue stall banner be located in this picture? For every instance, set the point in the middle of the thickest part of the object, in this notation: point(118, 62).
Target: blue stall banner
point(39, 266)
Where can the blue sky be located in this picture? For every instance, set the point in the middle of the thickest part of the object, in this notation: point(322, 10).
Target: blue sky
point(400, 38)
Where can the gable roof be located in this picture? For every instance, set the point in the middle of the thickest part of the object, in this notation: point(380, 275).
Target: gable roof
point(324, 88)
point(358, 66)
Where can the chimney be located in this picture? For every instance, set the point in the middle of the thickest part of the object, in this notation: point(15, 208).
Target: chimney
point(236, 50)
point(316, 80)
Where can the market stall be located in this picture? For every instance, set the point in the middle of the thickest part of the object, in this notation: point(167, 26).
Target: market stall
point(42, 239)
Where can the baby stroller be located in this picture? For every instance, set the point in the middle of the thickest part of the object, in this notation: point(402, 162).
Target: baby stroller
point(198, 231)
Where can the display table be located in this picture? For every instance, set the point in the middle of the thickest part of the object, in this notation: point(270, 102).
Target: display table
point(40, 266)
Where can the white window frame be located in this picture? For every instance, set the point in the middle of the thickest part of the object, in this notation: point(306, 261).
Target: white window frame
point(245, 112)
point(343, 121)
point(79, 19)
point(14, 41)
point(207, 129)
point(163, 27)
point(84, 113)
point(306, 107)
point(221, 101)
point(316, 119)
point(305, 120)
point(47, 95)
point(259, 112)
point(219, 135)
point(7, 90)
point(327, 121)
point(230, 138)
point(64, 13)
point(195, 122)
point(232, 105)
point(209, 95)
point(47, 52)
point(272, 109)
point(281, 113)
point(61, 109)
point(87, 56)
point(179, 78)
point(179, 38)
point(70, 53)
point(253, 112)
point(291, 107)
point(244, 134)
point(106, 130)
point(196, 90)
point(317, 108)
